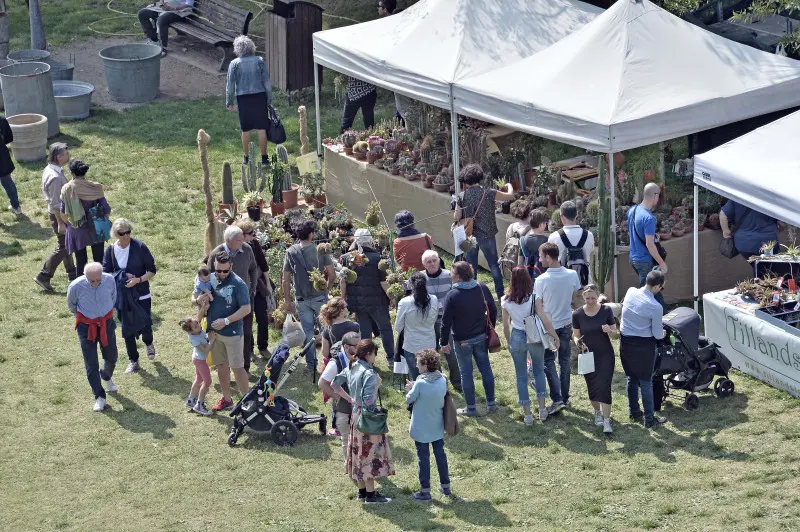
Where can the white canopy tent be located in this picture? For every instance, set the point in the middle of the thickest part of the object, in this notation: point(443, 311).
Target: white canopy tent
point(754, 170)
point(634, 76)
point(422, 51)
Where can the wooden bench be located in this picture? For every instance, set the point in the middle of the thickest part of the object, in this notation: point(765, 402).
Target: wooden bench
point(217, 23)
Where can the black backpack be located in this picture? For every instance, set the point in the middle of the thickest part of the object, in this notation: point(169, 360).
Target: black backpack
point(532, 262)
point(575, 257)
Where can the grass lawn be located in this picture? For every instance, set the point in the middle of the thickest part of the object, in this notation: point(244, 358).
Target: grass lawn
point(147, 464)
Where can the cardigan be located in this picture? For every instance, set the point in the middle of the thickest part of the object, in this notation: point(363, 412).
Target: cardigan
point(140, 261)
point(465, 313)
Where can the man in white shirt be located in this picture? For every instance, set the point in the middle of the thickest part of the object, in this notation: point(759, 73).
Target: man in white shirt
point(573, 233)
point(337, 363)
point(555, 288)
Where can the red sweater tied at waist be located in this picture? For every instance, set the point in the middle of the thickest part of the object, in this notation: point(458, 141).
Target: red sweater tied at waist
point(95, 325)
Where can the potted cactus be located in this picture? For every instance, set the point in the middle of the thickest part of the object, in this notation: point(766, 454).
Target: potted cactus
point(394, 169)
point(701, 221)
point(442, 183)
point(254, 203)
point(349, 139)
point(713, 221)
point(665, 232)
point(678, 229)
point(313, 189)
point(360, 150)
point(374, 153)
point(380, 162)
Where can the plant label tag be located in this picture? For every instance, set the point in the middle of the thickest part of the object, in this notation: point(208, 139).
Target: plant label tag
point(779, 284)
point(776, 297)
point(797, 305)
point(792, 285)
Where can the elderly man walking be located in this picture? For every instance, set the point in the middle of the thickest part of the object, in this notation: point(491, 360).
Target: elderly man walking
point(246, 268)
point(91, 299)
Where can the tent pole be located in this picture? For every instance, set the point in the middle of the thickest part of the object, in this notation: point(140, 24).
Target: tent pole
point(613, 200)
point(454, 132)
point(696, 261)
point(316, 101)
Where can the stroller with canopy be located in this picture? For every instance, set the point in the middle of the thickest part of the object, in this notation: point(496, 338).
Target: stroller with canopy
point(262, 410)
point(689, 362)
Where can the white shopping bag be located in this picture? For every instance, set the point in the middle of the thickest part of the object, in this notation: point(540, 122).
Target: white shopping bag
point(585, 363)
point(401, 368)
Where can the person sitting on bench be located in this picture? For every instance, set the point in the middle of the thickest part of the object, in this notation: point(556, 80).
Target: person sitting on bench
point(156, 18)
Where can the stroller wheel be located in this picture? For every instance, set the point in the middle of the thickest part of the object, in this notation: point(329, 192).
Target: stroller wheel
point(284, 433)
point(232, 439)
point(323, 427)
point(724, 387)
point(691, 402)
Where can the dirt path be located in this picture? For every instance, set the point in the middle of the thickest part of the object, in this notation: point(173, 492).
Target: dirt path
point(188, 71)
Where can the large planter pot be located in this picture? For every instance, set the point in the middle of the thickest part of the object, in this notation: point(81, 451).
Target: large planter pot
point(290, 196)
point(441, 187)
point(320, 201)
point(276, 208)
point(348, 150)
point(254, 212)
point(30, 136)
point(133, 72)
point(28, 89)
point(73, 99)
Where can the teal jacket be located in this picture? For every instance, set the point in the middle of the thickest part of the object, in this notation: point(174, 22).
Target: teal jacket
point(427, 416)
point(362, 381)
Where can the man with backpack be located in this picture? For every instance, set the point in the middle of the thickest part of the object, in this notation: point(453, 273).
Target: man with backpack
point(530, 243)
point(646, 252)
point(342, 354)
point(575, 244)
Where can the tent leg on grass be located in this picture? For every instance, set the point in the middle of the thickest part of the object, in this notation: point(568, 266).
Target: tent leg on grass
point(454, 130)
point(316, 102)
point(612, 199)
point(696, 245)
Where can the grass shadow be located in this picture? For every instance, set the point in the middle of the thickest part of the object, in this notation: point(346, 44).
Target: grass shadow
point(26, 229)
point(135, 418)
point(163, 381)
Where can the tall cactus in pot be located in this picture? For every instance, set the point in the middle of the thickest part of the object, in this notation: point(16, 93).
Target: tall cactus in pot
point(227, 184)
point(253, 177)
point(602, 261)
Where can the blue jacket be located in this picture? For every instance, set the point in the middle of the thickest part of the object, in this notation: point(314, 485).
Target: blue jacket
point(427, 416)
point(133, 318)
point(140, 260)
point(247, 75)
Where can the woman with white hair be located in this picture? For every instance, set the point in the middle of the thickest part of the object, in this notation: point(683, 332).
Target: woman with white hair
point(132, 257)
point(248, 81)
point(366, 297)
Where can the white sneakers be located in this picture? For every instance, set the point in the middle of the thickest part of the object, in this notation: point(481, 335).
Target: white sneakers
point(598, 418)
point(110, 386)
point(99, 404)
point(151, 351)
point(607, 426)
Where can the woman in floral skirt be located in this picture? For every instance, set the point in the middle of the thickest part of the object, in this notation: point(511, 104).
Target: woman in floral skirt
point(368, 455)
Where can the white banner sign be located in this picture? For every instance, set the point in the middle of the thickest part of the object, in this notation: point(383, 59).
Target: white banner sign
point(754, 346)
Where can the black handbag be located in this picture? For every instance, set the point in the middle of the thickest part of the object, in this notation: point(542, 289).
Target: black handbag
point(275, 131)
point(726, 246)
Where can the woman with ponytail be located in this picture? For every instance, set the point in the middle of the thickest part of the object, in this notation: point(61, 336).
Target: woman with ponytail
point(416, 317)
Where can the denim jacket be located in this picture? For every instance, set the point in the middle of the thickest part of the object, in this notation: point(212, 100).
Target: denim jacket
point(247, 75)
point(362, 381)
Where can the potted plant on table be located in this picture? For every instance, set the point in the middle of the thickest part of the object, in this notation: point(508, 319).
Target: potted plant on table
point(313, 189)
point(374, 153)
point(665, 232)
point(713, 221)
point(701, 221)
point(360, 150)
point(254, 203)
point(349, 139)
point(768, 248)
point(678, 229)
point(277, 173)
point(442, 183)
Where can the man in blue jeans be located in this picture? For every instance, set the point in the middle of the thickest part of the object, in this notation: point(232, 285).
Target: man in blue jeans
point(641, 329)
point(642, 229)
point(465, 315)
point(556, 288)
point(300, 260)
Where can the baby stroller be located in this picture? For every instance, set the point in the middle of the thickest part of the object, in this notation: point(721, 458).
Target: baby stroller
point(263, 410)
point(689, 362)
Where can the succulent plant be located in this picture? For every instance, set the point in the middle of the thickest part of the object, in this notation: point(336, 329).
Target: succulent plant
point(396, 291)
point(372, 215)
point(349, 138)
point(361, 147)
point(349, 275)
point(383, 265)
point(324, 248)
point(318, 280)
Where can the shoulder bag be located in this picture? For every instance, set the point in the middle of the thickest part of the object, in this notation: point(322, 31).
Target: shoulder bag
point(450, 415)
point(661, 251)
point(534, 329)
point(726, 246)
point(469, 222)
point(275, 131)
point(491, 334)
point(373, 422)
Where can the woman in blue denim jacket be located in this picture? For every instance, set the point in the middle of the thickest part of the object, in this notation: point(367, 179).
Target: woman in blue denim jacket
point(248, 80)
point(426, 394)
point(368, 455)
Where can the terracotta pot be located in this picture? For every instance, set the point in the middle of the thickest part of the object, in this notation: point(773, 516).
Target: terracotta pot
point(320, 201)
point(665, 236)
point(413, 176)
point(530, 175)
point(276, 208)
point(551, 198)
point(701, 227)
point(662, 197)
point(348, 151)
point(372, 158)
point(678, 233)
point(360, 156)
point(619, 160)
point(427, 183)
point(290, 196)
point(649, 176)
point(395, 171)
point(441, 187)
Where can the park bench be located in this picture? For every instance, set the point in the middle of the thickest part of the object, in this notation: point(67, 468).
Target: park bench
point(217, 23)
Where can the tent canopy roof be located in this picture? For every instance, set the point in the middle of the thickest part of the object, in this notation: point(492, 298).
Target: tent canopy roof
point(421, 51)
point(633, 76)
point(757, 170)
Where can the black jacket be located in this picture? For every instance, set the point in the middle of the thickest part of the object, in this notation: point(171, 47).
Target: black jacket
point(140, 261)
point(367, 292)
point(6, 165)
point(465, 313)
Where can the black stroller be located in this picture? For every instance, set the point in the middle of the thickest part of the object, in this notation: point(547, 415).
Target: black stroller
point(263, 410)
point(689, 362)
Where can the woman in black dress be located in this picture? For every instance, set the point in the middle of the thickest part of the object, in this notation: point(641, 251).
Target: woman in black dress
point(591, 326)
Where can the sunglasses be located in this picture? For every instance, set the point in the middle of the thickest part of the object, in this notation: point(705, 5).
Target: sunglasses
point(95, 283)
point(223, 271)
point(124, 233)
point(249, 233)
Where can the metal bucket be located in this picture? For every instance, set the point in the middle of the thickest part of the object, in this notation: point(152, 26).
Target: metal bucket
point(27, 88)
point(59, 70)
point(25, 56)
point(30, 136)
point(4, 62)
point(72, 99)
point(133, 72)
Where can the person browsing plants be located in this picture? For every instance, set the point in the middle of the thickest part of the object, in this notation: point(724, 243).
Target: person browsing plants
point(645, 252)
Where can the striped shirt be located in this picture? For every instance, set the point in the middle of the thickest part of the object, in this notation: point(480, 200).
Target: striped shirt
point(642, 314)
point(438, 286)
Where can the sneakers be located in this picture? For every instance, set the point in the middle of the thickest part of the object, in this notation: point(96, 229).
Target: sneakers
point(657, 421)
point(636, 418)
point(133, 367)
point(543, 414)
point(377, 498)
point(200, 408)
point(361, 496)
point(265, 354)
point(446, 492)
point(99, 404)
point(110, 386)
point(607, 426)
point(17, 211)
point(491, 409)
point(598, 418)
point(333, 433)
point(44, 284)
point(467, 412)
point(222, 404)
point(528, 419)
point(190, 402)
point(151, 351)
point(422, 496)
point(555, 408)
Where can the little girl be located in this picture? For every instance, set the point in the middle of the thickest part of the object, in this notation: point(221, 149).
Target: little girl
point(202, 380)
